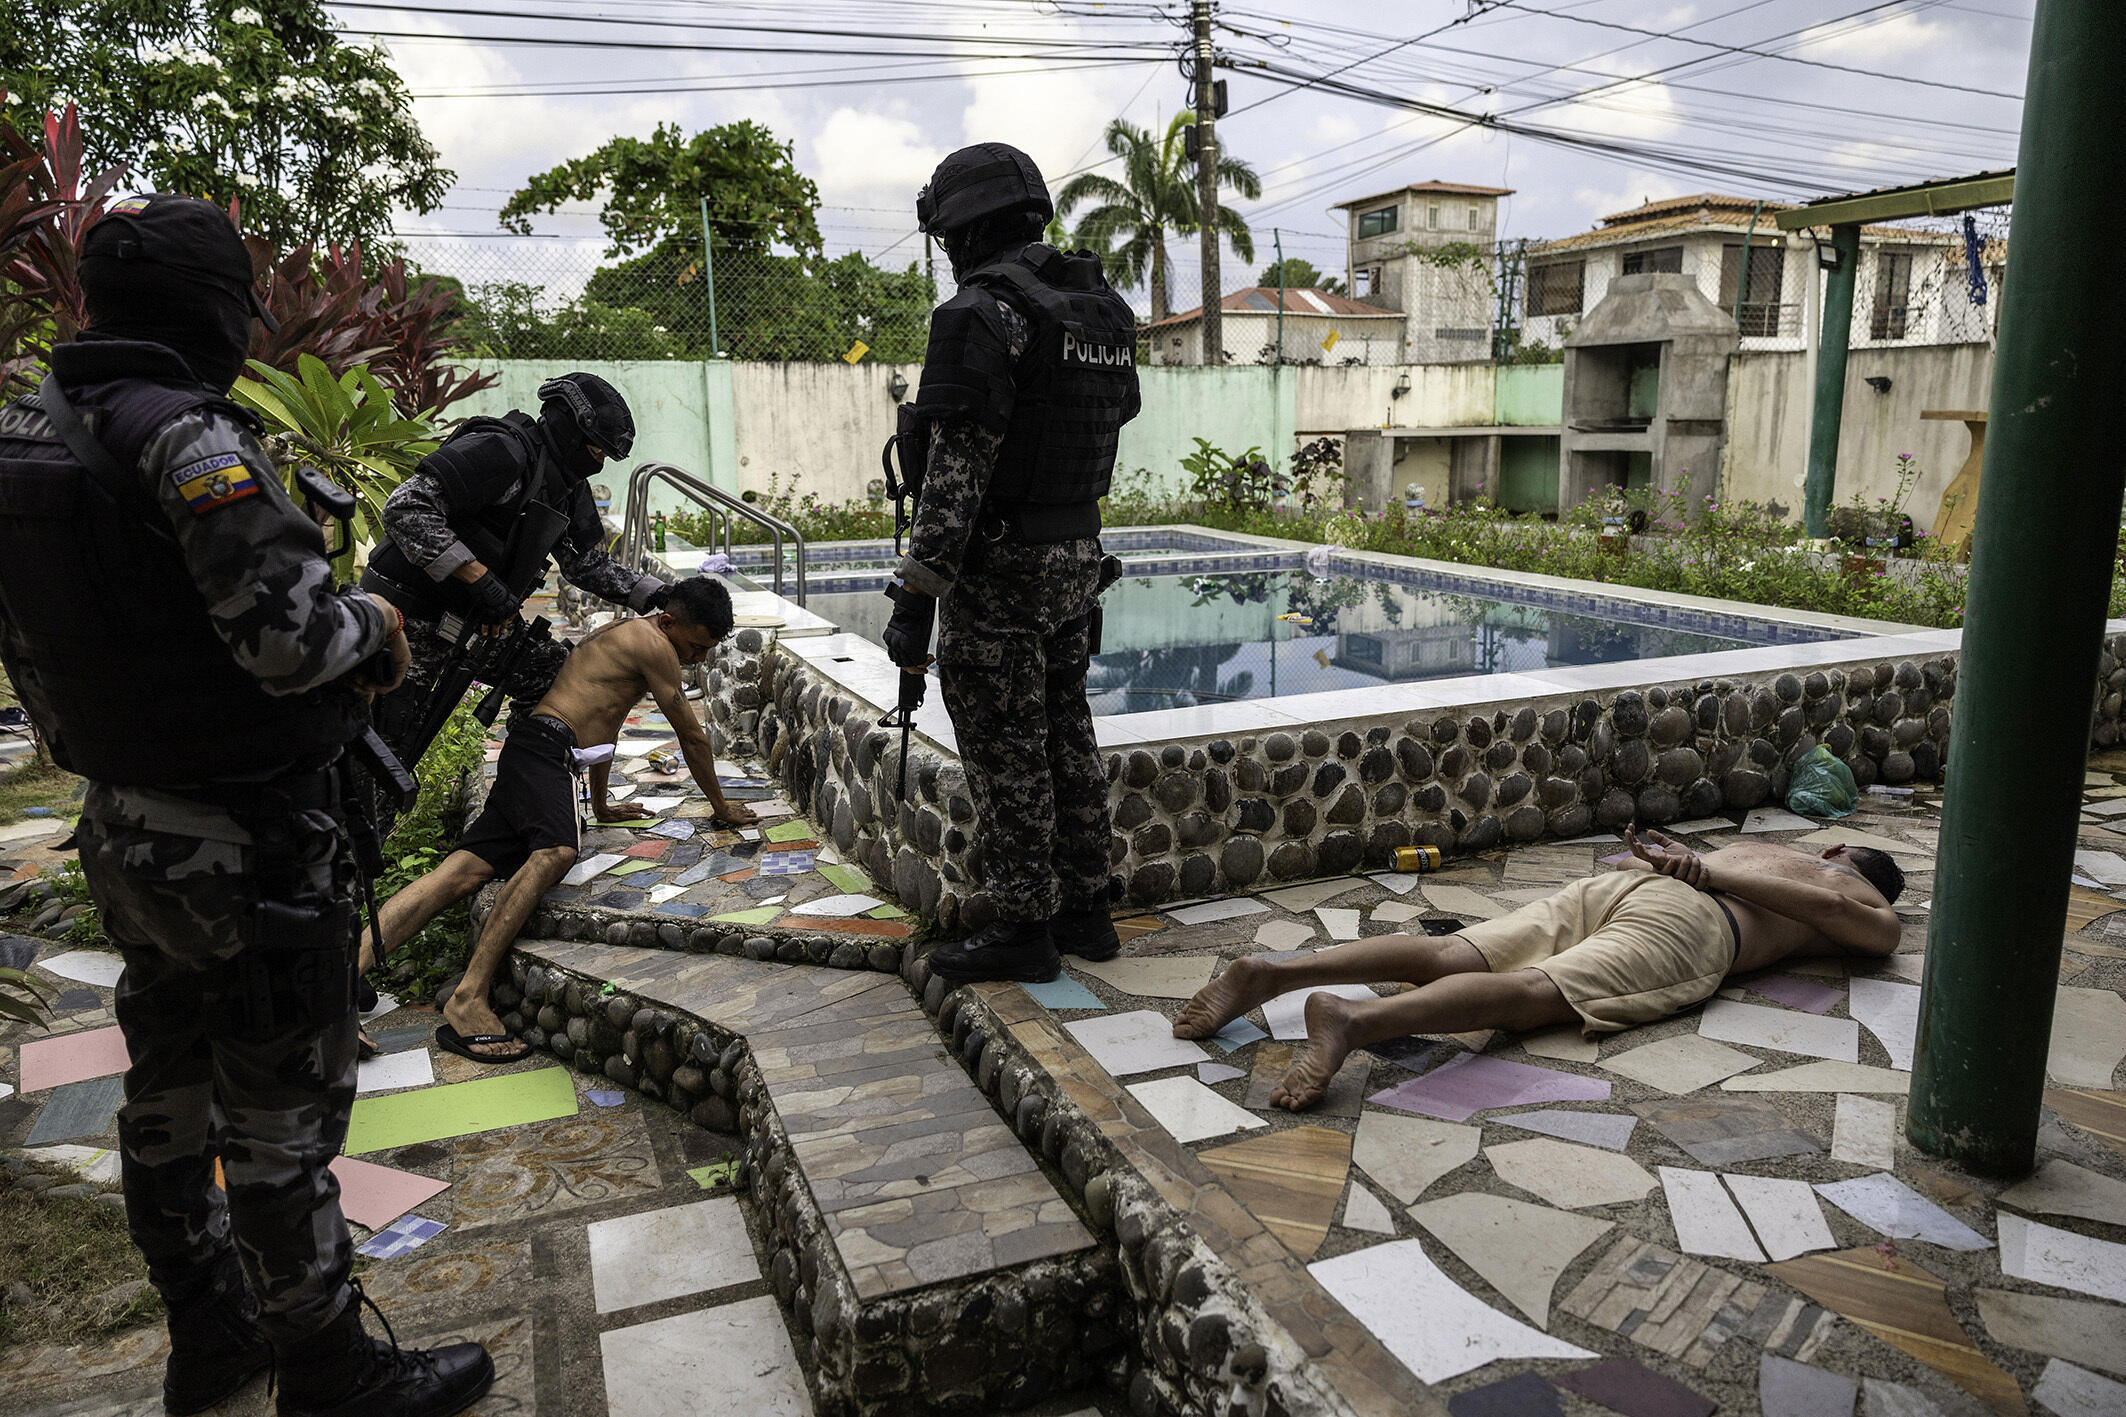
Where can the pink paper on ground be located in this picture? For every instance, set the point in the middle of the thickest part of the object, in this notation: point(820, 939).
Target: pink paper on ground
point(1471, 1083)
point(1796, 993)
point(54, 1062)
point(373, 1196)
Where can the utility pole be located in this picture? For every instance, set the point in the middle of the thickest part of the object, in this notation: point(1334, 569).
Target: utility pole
point(1207, 184)
point(1832, 341)
point(2041, 572)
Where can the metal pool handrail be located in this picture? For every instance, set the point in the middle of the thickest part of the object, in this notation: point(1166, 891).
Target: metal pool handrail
point(721, 507)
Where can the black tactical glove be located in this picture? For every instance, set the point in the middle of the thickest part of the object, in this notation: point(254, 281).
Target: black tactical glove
point(491, 601)
point(908, 632)
point(657, 599)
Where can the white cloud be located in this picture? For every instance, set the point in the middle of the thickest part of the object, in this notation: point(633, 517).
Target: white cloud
point(1871, 44)
point(866, 159)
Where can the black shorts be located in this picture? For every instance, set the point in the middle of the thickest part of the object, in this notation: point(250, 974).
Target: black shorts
point(533, 803)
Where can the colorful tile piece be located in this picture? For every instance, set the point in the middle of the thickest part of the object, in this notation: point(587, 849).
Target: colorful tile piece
point(845, 879)
point(407, 1233)
point(1680, 1064)
point(1471, 1083)
point(1727, 1132)
point(79, 1109)
point(1901, 1303)
point(1522, 1395)
point(373, 1196)
point(1289, 1180)
point(459, 1109)
point(1435, 1327)
point(648, 850)
point(1684, 1308)
point(1608, 1130)
point(1569, 1176)
point(1237, 1034)
point(1628, 1386)
point(2101, 1114)
point(786, 863)
point(629, 868)
point(1786, 1388)
point(789, 831)
point(758, 915)
point(1130, 929)
point(1063, 992)
point(1519, 1249)
point(73, 1057)
point(1795, 993)
point(1884, 1203)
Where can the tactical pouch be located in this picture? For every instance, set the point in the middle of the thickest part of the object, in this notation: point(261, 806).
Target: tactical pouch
point(296, 970)
point(1110, 572)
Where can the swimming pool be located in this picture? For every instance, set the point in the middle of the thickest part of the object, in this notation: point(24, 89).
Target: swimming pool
point(1200, 619)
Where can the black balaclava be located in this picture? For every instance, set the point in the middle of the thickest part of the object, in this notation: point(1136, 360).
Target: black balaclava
point(970, 247)
point(171, 270)
point(578, 411)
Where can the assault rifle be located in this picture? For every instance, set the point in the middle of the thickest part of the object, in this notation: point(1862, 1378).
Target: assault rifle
point(911, 438)
point(491, 659)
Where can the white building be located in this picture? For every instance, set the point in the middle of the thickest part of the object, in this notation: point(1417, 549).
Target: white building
point(1913, 286)
point(1428, 249)
point(1318, 328)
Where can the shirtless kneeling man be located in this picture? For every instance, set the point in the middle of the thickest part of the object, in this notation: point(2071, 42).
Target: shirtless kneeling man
point(1609, 951)
point(529, 827)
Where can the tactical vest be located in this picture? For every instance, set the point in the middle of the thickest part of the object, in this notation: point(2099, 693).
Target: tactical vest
point(132, 685)
point(1074, 386)
point(491, 530)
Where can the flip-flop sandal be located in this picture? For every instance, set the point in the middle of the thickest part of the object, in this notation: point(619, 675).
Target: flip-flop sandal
point(451, 1041)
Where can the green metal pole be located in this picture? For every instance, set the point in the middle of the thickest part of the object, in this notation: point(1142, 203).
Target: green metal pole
point(1830, 376)
point(2048, 517)
point(708, 271)
point(1277, 237)
point(1742, 282)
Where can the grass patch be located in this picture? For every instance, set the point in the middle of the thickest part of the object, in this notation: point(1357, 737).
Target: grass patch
point(69, 1252)
point(35, 784)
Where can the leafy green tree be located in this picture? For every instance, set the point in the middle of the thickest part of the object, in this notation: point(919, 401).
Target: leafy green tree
point(1299, 273)
point(1155, 195)
point(258, 102)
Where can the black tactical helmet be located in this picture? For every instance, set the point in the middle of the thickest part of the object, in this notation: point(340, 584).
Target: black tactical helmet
point(595, 408)
point(985, 180)
point(187, 239)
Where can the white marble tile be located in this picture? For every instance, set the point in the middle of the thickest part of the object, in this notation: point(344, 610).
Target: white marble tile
point(1786, 1030)
point(1284, 934)
point(739, 1352)
point(1706, 1220)
point(1774, 819)
point(1567, 1044)
point(393, 1071)
point(1680, 1064)
point(2063, 1188)
point(1890, 1011)
point(1229, 909)
point(1407, 1154)
point(1864, 1132)
point(1152, 976)
point(1138, 1042)
point(1211, 1074)
point(1460, 900)
point(662, 1254)
point(2088, 1037)
point(1308, 894)
point(1436, 1328)
point(2046, 1254)
point(2077, 1392)
point(1397, 881)
point(1569, 1176)
point(1884, 1203)
point(1287, 1013)
point(1341, 924)
point(1395, 912)
point(1363, 1211)
point(2106, 866)
point(1784, 1213)
point(1823, 1077)
point(837, 907)
point(1699, 826)
point(1191, 1111)
point(86, 967)
point(1519, 1249)
point(1608, 1130)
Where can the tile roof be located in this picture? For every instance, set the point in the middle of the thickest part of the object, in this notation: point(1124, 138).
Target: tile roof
point(1298, 300)
point(1450, 189)
point(1712, 212)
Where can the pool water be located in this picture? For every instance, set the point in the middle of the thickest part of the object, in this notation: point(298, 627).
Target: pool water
point(1177, 640)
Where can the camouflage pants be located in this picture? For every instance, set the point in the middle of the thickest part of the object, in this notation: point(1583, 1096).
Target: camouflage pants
point(231, 1059)
point(399, 713)
point(1014, 642)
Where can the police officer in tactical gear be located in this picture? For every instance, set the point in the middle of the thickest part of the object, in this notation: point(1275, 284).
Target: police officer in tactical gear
point(1029, 377)
point(455, 527)
point(172, 624)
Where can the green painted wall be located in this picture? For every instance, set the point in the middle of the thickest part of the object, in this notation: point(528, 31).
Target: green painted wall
point(1528, 474)
point(1236, 407)
point(1530, 394)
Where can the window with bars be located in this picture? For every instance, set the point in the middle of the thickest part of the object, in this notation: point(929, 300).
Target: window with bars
point(1378, 223)
point(1556, 287)
point(1760, 311)
point(1474, 215)
point(1893, 295)
point(1432, 217)
point(1654, 260)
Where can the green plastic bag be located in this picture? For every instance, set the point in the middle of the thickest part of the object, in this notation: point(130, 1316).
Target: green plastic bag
point(1822, 786)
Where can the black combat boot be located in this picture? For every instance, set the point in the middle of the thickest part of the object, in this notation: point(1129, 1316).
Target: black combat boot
point(215, 1343)
point(1007, 949)
point(1088, 933)
point(340, 1371)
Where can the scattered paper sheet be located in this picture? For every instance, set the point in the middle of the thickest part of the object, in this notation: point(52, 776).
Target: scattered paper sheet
point(1191, 1111)
point(1437, 1329)
point(1884, 1203)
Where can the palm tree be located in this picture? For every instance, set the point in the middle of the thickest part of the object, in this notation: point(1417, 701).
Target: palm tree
point(1156, 195)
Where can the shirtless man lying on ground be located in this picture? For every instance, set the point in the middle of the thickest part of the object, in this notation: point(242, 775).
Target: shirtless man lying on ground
point(1609, 951)
point(529, 827)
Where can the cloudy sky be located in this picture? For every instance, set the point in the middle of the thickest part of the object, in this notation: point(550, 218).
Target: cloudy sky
point(1615, 101)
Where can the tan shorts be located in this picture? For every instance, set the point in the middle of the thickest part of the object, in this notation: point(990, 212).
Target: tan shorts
point(1623, 948)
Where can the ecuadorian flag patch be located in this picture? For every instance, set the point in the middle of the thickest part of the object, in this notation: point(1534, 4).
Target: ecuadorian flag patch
point(214, 482)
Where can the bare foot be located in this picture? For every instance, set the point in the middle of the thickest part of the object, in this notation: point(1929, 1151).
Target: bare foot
point(469, 1015)
point(1245, 984)
point(1328, 1041)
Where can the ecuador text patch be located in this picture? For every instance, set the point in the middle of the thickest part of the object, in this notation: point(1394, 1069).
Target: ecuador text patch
point(214, 482)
